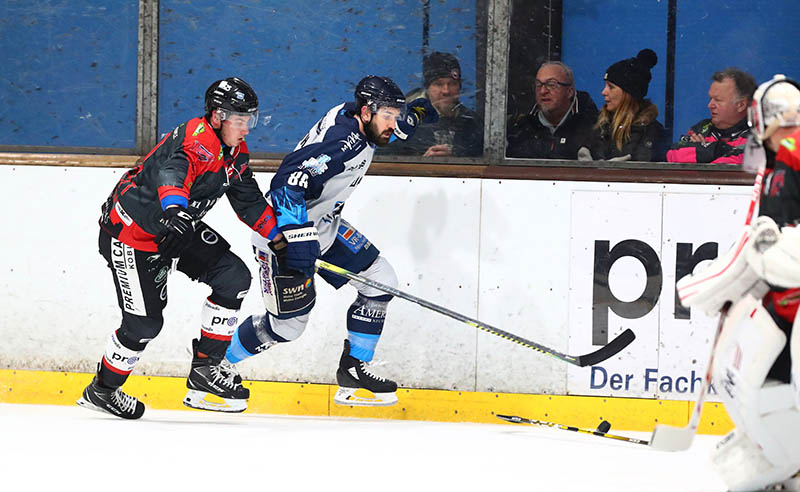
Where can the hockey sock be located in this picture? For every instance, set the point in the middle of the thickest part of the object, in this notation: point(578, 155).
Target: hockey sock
point(117, 364)
point(253, 336)
point(217, 326)
point(365, 319)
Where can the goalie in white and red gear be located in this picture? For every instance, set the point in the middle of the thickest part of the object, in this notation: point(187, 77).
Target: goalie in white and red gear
point(757, 368)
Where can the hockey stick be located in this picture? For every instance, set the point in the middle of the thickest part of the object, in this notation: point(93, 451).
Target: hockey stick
point(670, 438)
point(609, 350)
point(598, 433)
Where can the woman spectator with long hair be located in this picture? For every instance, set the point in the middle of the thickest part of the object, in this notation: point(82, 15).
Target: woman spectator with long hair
point(626, 127)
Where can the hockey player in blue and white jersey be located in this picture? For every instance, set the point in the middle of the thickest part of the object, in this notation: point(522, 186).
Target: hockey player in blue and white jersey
point(307, 193)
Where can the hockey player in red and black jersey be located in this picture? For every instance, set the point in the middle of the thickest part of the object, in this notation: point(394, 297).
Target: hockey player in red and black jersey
point(152, 224)
point(756, 367)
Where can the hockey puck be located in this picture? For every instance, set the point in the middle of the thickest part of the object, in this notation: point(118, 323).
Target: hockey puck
point(604, 427)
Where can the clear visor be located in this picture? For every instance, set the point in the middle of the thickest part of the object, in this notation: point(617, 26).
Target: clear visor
point(238, 120)
point(389, 113)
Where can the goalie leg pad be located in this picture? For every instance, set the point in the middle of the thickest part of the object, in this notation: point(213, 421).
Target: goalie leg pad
point(749, 344)
point(727, 278)
point(795, 355)
point(743, 467)
point(764, 448)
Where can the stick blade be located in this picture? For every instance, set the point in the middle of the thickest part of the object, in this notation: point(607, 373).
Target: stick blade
point(609, 350)
point(510, 418)
point(670, 438)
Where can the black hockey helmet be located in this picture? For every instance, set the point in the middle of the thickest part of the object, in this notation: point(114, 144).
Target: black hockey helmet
point(376, 92)
point(232, 96)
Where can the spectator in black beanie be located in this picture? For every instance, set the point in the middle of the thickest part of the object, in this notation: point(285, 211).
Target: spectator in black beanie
point(626, 128)
point(459, 131)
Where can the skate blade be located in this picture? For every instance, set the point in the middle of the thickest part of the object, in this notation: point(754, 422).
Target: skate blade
point(206, 401)
point(83, 402)
point(363, 397)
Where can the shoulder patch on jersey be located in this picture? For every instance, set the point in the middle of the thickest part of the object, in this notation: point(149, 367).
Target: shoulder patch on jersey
point(201, 152)
point(789, 143)
point(350, 141)
point(200, 129)
point(316, 165)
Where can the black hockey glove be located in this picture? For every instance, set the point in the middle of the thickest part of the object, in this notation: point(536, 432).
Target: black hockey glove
point(302, 248)
point(177, 232)
point(419, 111)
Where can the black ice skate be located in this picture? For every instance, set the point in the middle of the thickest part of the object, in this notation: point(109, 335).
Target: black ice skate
point(215, 385)
point(113, 401)
point(358, 386)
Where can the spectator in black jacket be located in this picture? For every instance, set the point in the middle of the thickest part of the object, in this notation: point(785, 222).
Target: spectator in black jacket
point(560, 122)
point(459, 131)
point(627, 128)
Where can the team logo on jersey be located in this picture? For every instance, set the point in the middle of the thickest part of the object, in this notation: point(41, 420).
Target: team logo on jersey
point(201, 152)
point(350, 142)
point(219, 157)
point(200, 129)
point(316, 165)
point(789, 143)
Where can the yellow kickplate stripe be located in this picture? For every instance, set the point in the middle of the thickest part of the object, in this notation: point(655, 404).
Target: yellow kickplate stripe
point(632, 414)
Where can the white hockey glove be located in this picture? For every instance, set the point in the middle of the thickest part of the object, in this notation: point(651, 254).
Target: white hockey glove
point(775, 253)
point(727, 278)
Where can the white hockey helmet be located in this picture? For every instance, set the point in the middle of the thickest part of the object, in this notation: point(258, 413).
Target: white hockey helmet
point(776, 103)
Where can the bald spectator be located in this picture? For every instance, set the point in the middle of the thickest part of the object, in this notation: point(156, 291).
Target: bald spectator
point(560, 122)
point(721, 138)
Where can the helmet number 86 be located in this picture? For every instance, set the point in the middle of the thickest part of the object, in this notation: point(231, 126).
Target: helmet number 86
point(298, 178)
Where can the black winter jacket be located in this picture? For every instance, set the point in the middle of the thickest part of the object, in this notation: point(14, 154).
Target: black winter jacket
point(528, 137)
point(647, 142)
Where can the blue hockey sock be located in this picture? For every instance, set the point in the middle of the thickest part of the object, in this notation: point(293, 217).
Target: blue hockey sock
point(237, 350)
point(365, 319)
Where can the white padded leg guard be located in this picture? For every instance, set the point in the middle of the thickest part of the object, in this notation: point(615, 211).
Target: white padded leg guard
point(380, 271)
point(289, 329)
point(765, 448)
point(794, 352)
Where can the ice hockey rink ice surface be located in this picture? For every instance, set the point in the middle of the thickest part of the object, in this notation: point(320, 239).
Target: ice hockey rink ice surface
point(71, 448)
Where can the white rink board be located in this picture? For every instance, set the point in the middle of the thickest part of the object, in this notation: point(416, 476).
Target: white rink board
point(515, 254)
point(669, 356)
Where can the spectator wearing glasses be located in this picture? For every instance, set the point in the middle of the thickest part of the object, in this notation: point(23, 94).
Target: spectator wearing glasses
point(560, 121)
point(459, 131)
point(721, 138)
point(627, 128)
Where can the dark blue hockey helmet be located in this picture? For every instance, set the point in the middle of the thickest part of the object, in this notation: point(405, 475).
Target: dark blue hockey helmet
point(232, 96)
point(376, 92)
